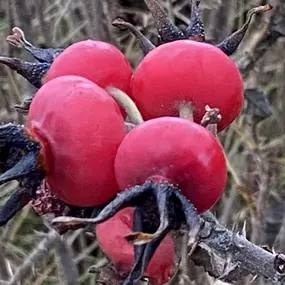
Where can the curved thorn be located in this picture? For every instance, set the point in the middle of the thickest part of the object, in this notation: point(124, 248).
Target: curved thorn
point(195, 31)
point(145, 43)
point(18, 39)
point(13, 205)
point(124, 199)
point(33, 72)
point(231, 43)
point(167, 30)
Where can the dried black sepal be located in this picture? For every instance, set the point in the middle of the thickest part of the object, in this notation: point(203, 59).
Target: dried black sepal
point(21, 160)
point(230, 44)
point(45, 55)
point(34, 72)
point(159, 208)
point(195, 30)
point(145, 43)
point(167, 31)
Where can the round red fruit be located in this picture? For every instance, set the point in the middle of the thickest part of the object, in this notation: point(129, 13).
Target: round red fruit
point(80, 128)
point(188, 71)
point(111, 237)
point(176, 151)
point(97, 61)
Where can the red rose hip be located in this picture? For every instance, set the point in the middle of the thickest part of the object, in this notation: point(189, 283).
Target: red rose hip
point(80, 128)
point(97, 61)
point(176, 151)
point(187, 71)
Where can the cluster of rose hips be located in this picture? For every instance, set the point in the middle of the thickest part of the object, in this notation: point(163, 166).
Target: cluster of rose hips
point(138, 148)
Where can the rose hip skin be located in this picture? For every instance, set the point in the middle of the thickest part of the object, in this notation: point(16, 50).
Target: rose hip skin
point(111, 237)
point(80, 128)
point(97, 61)
point(187, 71)
point(176, 151)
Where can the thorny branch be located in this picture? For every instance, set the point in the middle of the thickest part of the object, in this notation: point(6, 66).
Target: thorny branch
point(226, 255)
point(230, 256)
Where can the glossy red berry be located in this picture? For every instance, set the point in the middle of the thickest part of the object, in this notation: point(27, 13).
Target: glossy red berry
point(111, 237)
point(176, 151)
point(97, 61)
point(187, 71)
point(80, 128)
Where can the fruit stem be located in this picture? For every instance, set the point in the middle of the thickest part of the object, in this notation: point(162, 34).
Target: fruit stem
point(167, 30)
point(195, 30)
point(231, 43)
point(145, 43)
point(18, 39)
point(33, 71)
point(127, 103)
point(186, 111)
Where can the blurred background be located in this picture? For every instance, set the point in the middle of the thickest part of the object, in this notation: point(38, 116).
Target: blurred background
point(255, 142)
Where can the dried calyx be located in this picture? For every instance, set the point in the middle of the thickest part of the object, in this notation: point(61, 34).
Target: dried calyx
point(46, 55)
point(168, 32)
point(34, 72)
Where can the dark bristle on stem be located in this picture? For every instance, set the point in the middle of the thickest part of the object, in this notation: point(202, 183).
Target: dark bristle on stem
point(195, 30)
point(18, 39)
point(231, 43)
point(33, 71)
point(168, 32)
point(145, 43)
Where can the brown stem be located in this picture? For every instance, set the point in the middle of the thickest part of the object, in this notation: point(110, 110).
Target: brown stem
point(231, 43)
